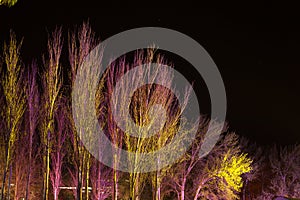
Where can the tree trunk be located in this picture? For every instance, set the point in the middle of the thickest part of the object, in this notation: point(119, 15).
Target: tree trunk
point(87, 176)
point(4, 173)
point(115, 174)
point(16, 183)
point(55, 194)
point(46, 161)
point(47, 171)
point(182, 189)
point(29, 169)
point(158, 193)
point(197, 192)
point(9, 182)
point(98, 183)
point(79, 191)
point(157, 185)
point(3, 182)
point(244, 189)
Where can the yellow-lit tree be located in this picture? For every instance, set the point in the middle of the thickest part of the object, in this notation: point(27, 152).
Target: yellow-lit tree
point(52, 83)
point(150, 104)
point(230, 173)
point(81, 42)
point(220, 173)
point(15, 103)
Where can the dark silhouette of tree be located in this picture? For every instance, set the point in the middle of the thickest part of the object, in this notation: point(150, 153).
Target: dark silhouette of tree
point(284, 165)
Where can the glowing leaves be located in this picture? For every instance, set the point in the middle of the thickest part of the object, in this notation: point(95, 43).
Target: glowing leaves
point(231, 170)
point(8, 3)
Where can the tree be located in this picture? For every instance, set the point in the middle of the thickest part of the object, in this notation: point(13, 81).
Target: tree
point(81, 42)
point(149, 106)
point(33, 98)
point(52, 83)
point(179, 175)
point(221, 172)
point(100, 180)
point(58, 150)
point(256, 154)
point(14, 93)
point(284, 179)
point(20, 165)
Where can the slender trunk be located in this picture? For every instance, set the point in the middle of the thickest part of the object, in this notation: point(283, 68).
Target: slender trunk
point(197, 192)
point(244, 189)
point(4, 174)
point(87, 176)
point(79, 193)
point(98, 183)
point(16, 182)
point(3, 182)
point(158, 193)
point(9, 182)
point(182, 189)
point(131, 186)
point(46, 161)
point(29, 168)
point(55, 193)
point(115, 174)
point(182, 194)
point(157, 186)
point(47, 169)
point(82, 175)
point(136, 190)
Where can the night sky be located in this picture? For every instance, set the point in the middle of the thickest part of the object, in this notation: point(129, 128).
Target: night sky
point(256, 48)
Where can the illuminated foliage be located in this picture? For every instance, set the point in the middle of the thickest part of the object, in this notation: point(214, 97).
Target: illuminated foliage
point(219, 175)
point(231, 170)
point(8, 3)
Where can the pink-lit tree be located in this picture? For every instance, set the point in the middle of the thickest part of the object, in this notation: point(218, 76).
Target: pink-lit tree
point(58, 148)
point(21, 166)
point(32, 116)
point(52, 83)
point(100, 180)
point(183, 172)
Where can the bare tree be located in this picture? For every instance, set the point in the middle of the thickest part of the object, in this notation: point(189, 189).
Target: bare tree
point(81, 42)
point(14, 93)
point(100, 180)
point(20, 163)
point(220, 173)
point(32, 115)
point(52, 84)
point(285, 177)
point(58, 150)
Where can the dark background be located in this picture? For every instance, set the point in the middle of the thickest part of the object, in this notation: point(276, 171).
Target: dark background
point(255, 46)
